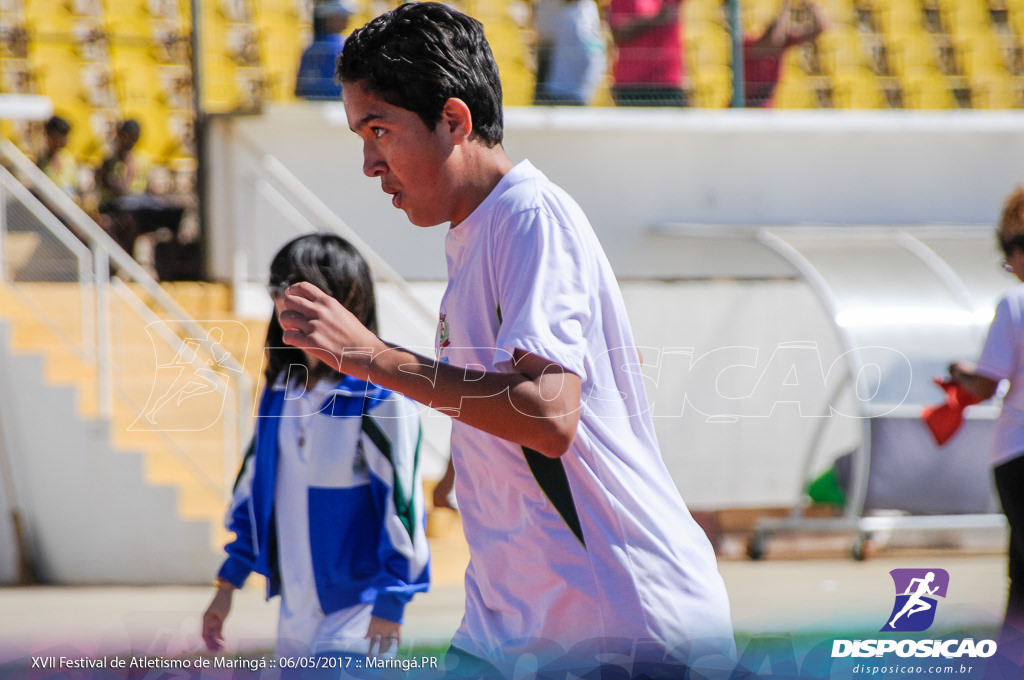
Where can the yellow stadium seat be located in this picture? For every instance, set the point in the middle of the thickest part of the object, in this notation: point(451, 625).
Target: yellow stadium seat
point(1017, 21)
point(707, 45)
point(965, 14)
point(839, 12)
point(911, 53)
point(857, 89)
point(799, 93)
point(169, 10)
point(704, 12)
point(49, 17)
point(841, 49)
point(78, 89)
point(927, 89)
point(979, 53)
point(1012, 52)
point(1018, 91)
point(135, 75)
point(130, 17)
point(795, 81)
point(755, 15)
point(898, 17)
point(56, 67)
point(507, 28)
point(169, 41)
point(712, 87)
point(801, 80)
point(141, 95)
point(283, 35)
point(219, 90)
point(232, 74)
point(175, 87)
point(16, 77)
point(992, 90)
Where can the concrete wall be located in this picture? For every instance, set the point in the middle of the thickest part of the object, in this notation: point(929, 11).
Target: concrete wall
point(89, 517)
point(633, 171)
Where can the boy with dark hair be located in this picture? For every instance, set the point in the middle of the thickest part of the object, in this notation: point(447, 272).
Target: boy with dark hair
point(581, 550)
point(420, 58)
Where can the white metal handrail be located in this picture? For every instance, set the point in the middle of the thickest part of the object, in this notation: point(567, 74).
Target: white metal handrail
point(76, 247)
point(284, 182)
point(104, 251)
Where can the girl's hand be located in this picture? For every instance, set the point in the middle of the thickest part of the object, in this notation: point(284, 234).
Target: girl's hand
point(382, 634)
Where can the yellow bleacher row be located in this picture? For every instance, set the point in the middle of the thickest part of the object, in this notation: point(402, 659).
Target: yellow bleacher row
point(876, 54)
point(104, 60)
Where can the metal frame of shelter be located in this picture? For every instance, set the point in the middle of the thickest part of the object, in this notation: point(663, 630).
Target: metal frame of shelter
point(923, 293)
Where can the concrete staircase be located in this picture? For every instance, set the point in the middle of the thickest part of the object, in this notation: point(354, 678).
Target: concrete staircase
point(186, 453)
point(185, 448)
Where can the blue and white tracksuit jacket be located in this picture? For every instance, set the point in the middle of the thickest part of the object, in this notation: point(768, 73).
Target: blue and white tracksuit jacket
point(366, 513)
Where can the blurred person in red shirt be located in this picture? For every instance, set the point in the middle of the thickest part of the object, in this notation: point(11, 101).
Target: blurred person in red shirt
point(649, 62)
point(762, 54)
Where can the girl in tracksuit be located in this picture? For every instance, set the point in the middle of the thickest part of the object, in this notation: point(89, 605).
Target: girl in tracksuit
point(328, 505)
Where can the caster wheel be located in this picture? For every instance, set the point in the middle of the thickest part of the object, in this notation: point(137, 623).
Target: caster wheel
point(755, 547)
point(863, 548)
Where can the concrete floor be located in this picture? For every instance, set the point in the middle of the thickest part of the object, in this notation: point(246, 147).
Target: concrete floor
point(805, 597)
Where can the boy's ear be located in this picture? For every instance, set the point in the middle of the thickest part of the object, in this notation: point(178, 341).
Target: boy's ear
point(459, 120)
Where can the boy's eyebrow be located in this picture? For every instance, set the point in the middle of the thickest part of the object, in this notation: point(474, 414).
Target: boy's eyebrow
point(364, 121)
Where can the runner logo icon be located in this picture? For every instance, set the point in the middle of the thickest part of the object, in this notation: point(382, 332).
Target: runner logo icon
point(916, 590)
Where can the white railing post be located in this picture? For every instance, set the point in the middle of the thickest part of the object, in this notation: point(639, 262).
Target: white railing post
point(104, 370)
point(3, 233)
point(89, 304)
point(240, 261)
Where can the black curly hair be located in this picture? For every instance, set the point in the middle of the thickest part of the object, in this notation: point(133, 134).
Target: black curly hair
point(420, 55)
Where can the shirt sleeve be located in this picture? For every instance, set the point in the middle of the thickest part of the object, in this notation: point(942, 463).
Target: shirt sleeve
point(241, 551)
point(999, 355)
point(391, 441)
point(543, 290)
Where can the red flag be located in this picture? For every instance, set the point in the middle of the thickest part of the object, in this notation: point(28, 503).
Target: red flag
point(943, 420)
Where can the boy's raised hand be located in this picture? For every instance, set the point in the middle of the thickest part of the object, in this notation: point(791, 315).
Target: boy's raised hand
point(316, 322)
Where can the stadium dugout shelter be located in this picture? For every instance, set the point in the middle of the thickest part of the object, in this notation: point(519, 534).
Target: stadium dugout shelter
point(903, 302)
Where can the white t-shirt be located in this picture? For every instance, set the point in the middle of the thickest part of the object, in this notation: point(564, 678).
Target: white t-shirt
point(597, 544)
point(1001, 360)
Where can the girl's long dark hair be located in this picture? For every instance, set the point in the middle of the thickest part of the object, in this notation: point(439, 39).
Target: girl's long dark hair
point(333, 265)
